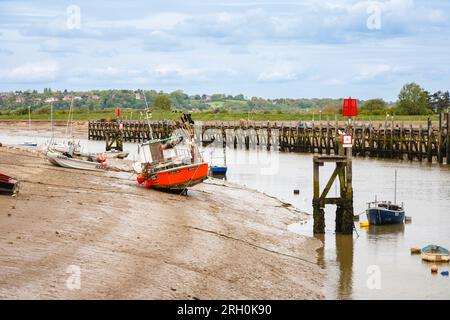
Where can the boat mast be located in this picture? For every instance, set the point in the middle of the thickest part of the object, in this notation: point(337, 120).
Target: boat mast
point(69, 121)
point(147, 117)
point(29, 118)
point(395, 188)
point(51, 122)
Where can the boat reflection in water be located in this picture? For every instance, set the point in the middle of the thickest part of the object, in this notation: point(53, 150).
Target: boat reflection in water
point(391, 231)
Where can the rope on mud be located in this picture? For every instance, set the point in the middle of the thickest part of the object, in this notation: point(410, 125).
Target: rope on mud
point(250, 244)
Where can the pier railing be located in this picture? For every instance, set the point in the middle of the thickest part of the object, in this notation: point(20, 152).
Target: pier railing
point(414, 141)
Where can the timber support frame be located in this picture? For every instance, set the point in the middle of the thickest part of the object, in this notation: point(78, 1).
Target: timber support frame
point(344, 203)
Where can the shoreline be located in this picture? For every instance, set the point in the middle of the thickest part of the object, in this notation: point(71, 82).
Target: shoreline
point(222, 241)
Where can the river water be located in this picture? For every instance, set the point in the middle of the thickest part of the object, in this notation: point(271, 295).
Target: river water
point(374, 263)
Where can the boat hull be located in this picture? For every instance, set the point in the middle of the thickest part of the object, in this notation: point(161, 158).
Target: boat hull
point(218, 170)
point(380, 216)
point(29, 144)
point(60, 160)
point(8, 185)
point(178, 178)
point(435, 253)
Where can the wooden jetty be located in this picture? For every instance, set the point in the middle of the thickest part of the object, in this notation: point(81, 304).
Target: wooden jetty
point(420, 141)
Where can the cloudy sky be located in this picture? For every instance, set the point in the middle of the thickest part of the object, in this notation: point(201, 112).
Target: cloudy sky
point(265, 48)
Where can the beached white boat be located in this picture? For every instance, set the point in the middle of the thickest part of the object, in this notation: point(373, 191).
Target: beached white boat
point(61, 160)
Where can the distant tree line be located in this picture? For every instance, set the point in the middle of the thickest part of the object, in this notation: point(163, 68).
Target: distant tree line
point(412, 100)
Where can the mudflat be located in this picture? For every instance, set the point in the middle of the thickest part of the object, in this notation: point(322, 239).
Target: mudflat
point(221, 241)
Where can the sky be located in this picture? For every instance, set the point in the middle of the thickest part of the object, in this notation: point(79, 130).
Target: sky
point(263, 48)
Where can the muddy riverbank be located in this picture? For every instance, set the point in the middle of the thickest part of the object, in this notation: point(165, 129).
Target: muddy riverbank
point(220, 242)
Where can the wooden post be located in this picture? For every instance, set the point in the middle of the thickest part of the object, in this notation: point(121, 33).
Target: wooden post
point(439, 147)
point(429, 141)
point(448, 139)
point(318, 212)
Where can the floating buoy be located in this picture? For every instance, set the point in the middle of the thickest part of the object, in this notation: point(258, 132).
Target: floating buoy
point(364, 224)
point(434, 269)
point(444, 273)
point(415, 250)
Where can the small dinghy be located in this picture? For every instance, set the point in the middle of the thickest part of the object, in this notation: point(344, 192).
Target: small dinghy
point(217, 170)
point(435, 253)
point(8, 185)
point(62, 160)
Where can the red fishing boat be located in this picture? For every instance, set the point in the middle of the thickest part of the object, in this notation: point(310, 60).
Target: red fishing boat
point(170, 164)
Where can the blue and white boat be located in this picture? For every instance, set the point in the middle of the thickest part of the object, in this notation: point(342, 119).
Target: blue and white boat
point(218, 170)
point(386, 212)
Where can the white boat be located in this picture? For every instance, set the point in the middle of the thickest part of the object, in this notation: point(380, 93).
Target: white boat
point(434, 253)
point(61, 160)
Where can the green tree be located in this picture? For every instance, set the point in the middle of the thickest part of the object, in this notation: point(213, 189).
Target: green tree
point(162, 102)
point(439, 101)
point(374, 104)
point(412, 100)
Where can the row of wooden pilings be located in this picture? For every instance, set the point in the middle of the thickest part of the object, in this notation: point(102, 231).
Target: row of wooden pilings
point(388, 139)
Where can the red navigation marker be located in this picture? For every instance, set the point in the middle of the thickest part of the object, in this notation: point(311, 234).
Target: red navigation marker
point(350, 108)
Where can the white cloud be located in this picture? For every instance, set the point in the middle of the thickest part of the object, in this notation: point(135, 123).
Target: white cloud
point(373, 71)
point(279, 73)
point(31, 72)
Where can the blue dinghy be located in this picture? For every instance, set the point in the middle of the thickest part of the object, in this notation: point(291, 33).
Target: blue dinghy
point(218, 170)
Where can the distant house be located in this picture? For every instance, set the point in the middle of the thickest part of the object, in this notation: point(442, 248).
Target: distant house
point(77, 98)
point(50, 100)
point(95, 97)
point(20, 99)
point(138, 96)
point(67, 98)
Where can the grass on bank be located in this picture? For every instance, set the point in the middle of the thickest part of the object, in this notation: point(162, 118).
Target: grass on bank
point(211, 116)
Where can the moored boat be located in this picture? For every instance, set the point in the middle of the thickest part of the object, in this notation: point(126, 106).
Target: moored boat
point(385, 212)
point(434, 253)
point(218, 170)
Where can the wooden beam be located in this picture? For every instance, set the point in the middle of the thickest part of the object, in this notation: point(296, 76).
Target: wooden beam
point(330, 182)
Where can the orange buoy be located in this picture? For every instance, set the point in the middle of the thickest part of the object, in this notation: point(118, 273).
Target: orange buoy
point(140, 179)
point(434, 269)
point(100, 158)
